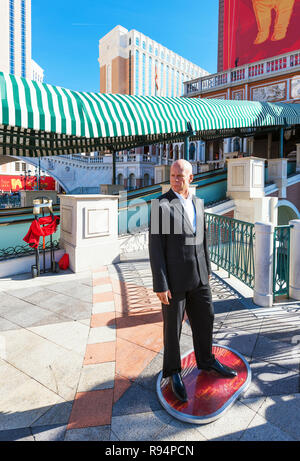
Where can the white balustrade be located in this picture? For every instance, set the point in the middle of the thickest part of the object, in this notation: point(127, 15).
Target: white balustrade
point(244, 73)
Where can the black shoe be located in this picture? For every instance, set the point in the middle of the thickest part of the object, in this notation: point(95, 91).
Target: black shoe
point(222, 369)
point(178, 387)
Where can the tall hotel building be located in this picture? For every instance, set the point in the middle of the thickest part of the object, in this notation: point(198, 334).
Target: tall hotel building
point(132, 63)
point(15, 40)
point(15, 58)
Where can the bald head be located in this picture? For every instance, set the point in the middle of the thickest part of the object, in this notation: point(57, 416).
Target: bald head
point(183, 165)
point(181, 175)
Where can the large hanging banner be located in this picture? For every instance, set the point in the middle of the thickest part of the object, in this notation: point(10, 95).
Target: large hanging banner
point(13, 183)
point(259, 29)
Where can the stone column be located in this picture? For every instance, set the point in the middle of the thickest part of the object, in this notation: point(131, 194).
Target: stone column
point(294, 284)
point(245, 178)
point(89, 230)
point(263, 263)
point(277, 172)
point(161, 173)
point(250, 146)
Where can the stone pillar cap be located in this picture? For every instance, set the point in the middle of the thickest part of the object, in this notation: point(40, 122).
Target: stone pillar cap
point(295, 223)
point(264, 226)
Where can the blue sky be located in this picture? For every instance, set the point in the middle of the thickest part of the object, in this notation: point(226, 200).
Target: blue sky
point(66, 33)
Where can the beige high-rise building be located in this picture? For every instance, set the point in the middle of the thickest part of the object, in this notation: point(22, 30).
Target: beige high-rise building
point(132, 63)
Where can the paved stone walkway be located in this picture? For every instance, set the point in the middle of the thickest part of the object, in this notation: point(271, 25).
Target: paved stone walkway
point(80, 354)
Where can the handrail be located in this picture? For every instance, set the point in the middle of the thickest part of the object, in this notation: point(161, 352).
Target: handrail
point(231, 246)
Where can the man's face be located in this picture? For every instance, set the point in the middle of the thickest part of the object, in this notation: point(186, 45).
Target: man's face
point(180, 179)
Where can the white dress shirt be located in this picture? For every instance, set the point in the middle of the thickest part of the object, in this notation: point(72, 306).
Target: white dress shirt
point(189, 208)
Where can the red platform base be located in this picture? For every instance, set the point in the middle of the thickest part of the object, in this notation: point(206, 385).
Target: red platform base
point(209, 394)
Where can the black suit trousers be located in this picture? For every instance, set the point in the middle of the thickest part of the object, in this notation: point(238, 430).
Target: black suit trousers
point(198, 305)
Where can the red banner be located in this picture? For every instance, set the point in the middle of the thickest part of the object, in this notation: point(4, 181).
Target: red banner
point(259, 29)
point(14, 183)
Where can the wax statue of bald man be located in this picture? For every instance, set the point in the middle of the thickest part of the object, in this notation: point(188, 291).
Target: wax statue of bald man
point(181, 270)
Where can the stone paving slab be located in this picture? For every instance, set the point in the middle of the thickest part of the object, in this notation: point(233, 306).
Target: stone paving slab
point(70, 335)
point(141, 426)
point(271, 379)
point(260, 430)
point(93, 434)
point(70, 383)
point(96, 377)
point(22, 399)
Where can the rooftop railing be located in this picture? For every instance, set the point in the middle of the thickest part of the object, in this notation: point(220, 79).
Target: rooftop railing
point(264, 68)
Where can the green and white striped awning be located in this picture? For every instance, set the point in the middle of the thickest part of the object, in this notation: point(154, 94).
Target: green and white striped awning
point(38, 119)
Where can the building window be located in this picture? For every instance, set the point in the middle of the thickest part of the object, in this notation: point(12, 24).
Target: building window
point(162, 55)
point(144, 45)
point(156, 52)
point(172, 83)
point(23, 39)
point(136, 72)
point(137, 41)
point(150, 76)
point(11, 36)
point(144, 75)
point(177, 83)
point(130, 76)
point(108, 79)
point(150, 49)
point(167, 81)
point(161, 78)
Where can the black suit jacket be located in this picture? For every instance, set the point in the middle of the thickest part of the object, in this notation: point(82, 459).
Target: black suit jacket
point(179, 257)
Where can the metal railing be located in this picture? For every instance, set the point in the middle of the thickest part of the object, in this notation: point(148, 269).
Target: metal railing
point(24, 250)
point(266, 67)
point(10, 201)
point(231, 246)
point(281, 261)
point(85, 159)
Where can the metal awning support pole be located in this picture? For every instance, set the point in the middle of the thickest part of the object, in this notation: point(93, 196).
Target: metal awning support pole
point(281, 142)
point(187, 141)
point(114, 168)
point(186, 148)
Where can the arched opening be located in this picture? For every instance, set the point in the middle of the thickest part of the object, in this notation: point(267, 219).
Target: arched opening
point(120, 179)
point(236, 144)
point(286, 212)
point(192, 151)
point(176, 150)
point(146, 179)
point(182, 151)
point(131, 181)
